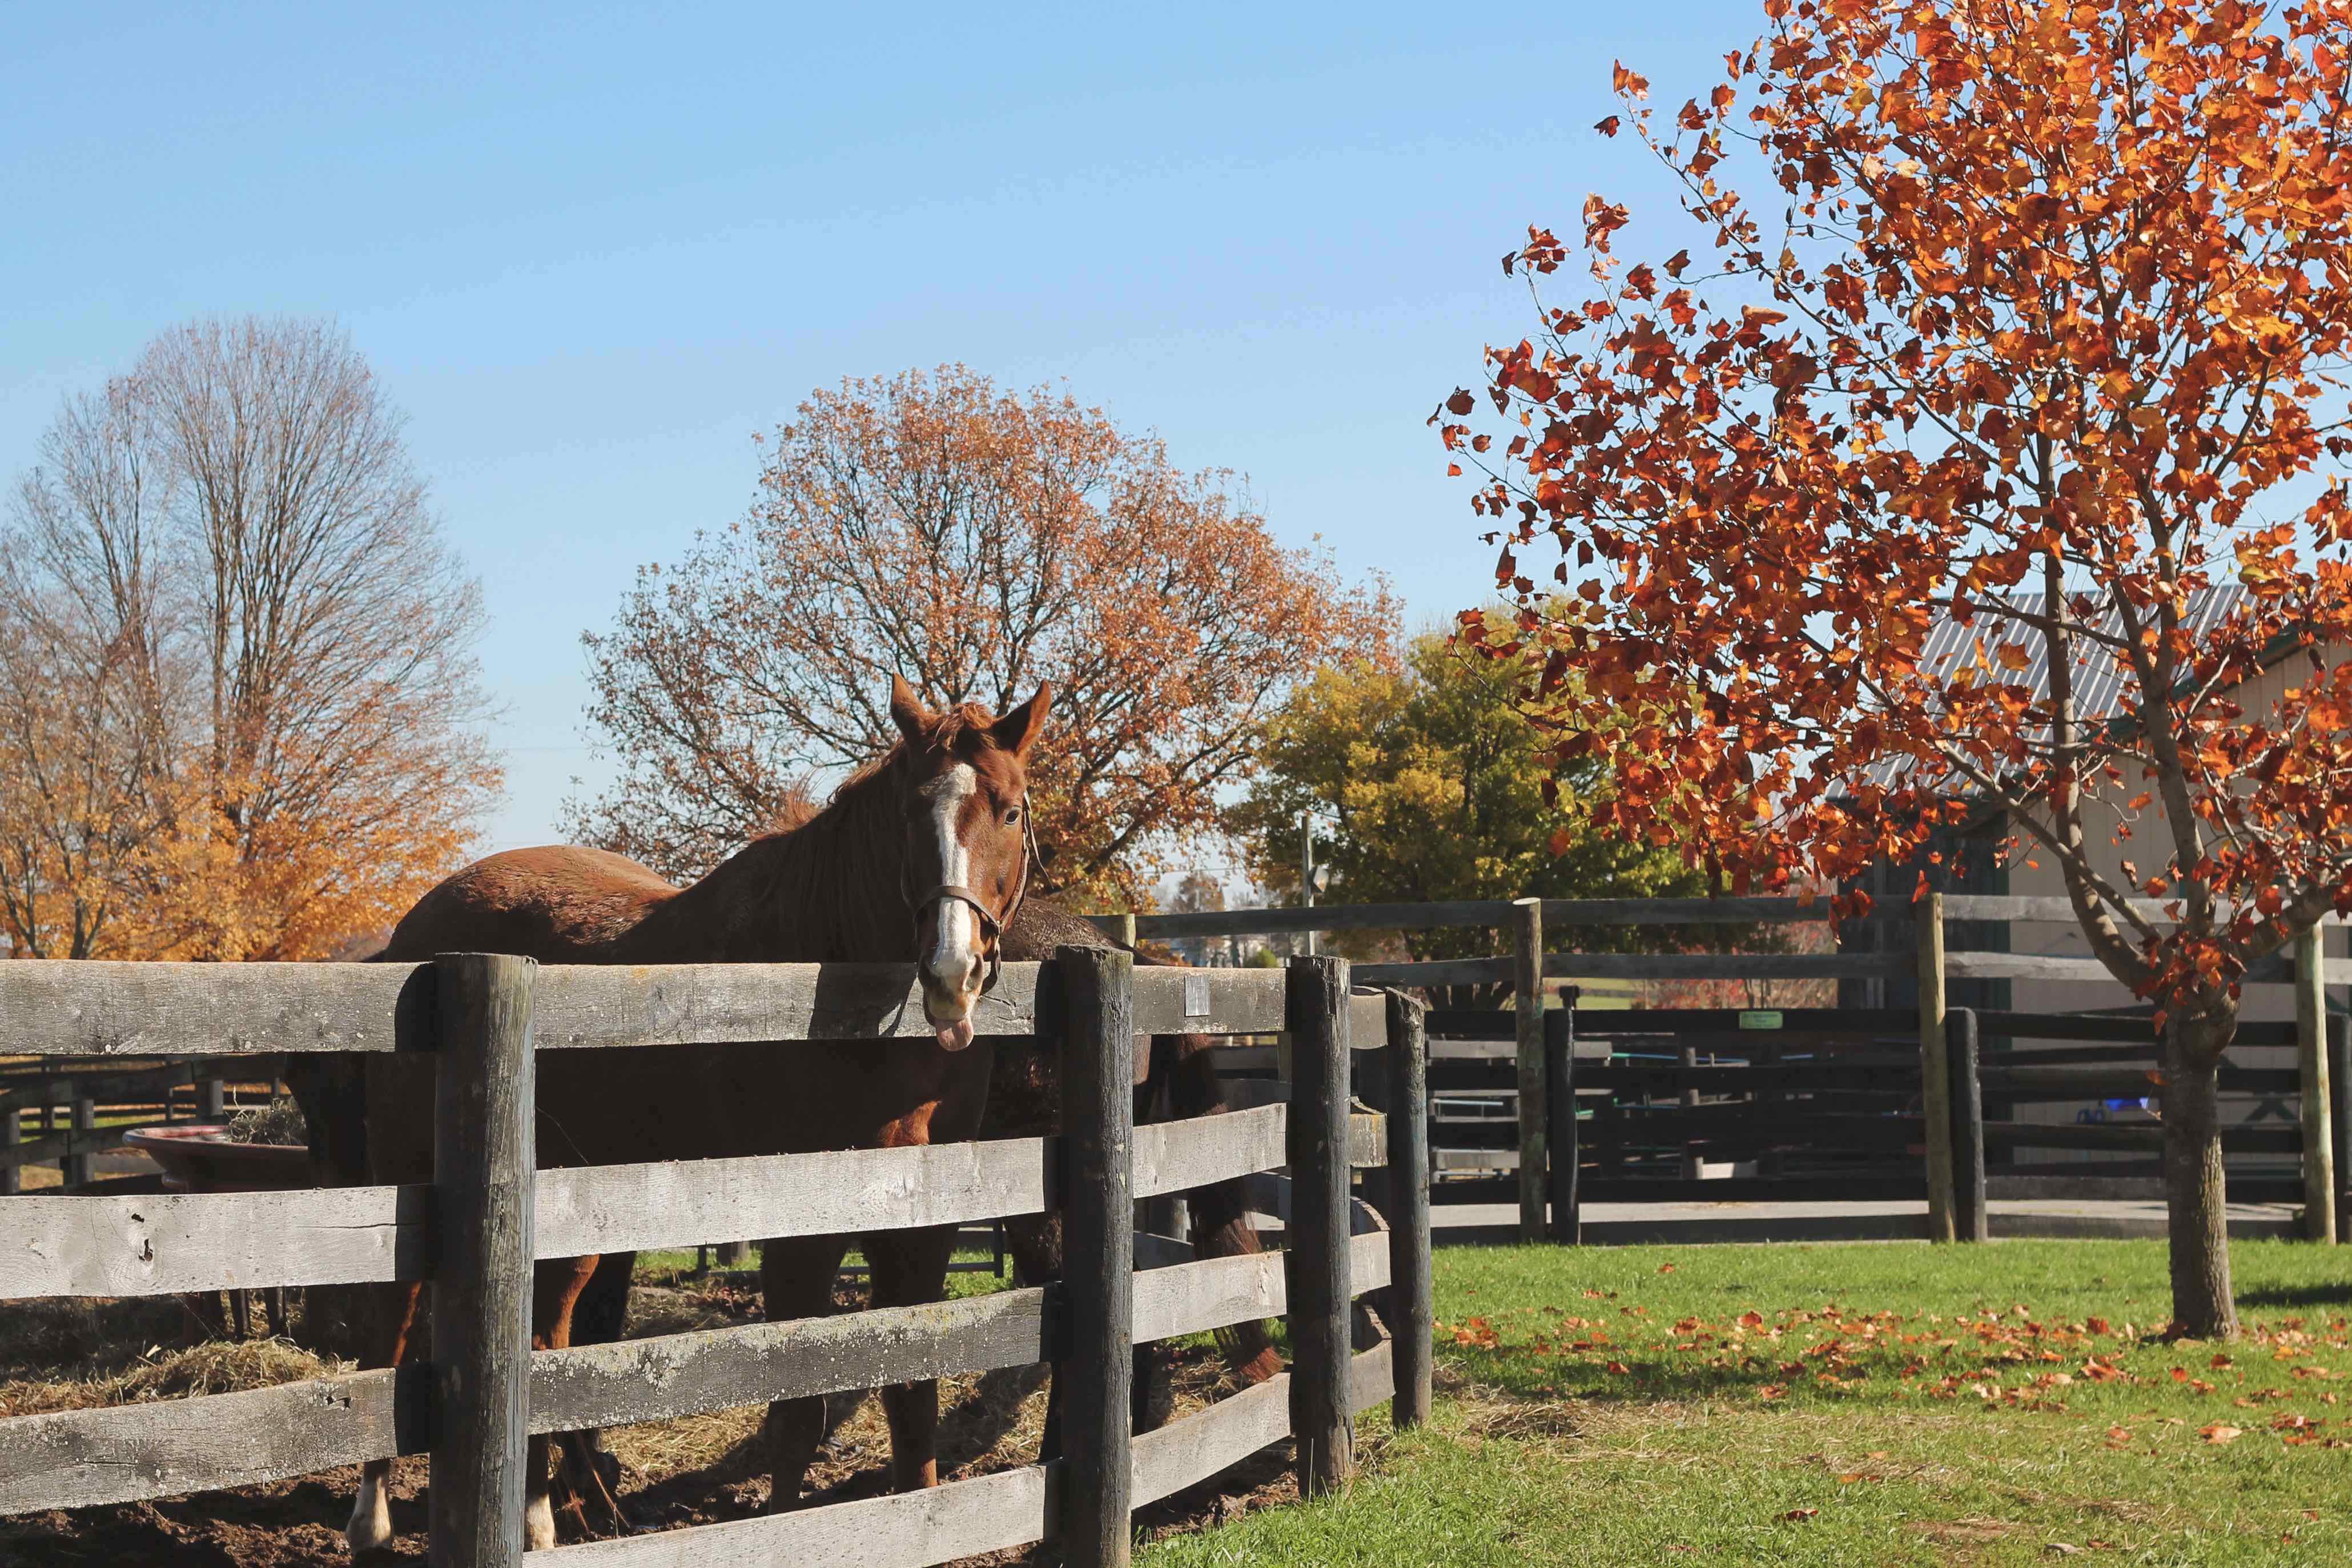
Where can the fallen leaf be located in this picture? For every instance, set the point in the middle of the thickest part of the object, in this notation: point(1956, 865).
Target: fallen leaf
point(1798, 1515)
point(1666, 1268)
point(2219, 1433)
point(1771, 1391)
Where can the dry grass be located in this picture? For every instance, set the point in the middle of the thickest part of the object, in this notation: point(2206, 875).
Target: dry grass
point(215, 1367)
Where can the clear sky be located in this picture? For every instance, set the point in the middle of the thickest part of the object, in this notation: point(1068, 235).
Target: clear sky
point(590, 250)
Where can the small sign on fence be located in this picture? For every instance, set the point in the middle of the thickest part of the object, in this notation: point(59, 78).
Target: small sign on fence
point(1763, 1020)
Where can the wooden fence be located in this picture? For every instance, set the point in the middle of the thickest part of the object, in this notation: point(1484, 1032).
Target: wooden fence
point(474, 1230)
point(1929, 964)
point(85, 1091)
point(1996, 1154)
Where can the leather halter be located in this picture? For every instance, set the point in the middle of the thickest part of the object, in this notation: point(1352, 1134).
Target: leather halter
point(991, 925)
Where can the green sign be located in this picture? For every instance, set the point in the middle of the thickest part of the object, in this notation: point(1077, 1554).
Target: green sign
point(1759, 1020)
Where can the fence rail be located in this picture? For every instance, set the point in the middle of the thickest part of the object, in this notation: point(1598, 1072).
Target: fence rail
point(474, 1230)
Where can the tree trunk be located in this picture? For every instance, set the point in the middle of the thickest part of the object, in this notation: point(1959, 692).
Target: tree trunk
point(2196, 1204)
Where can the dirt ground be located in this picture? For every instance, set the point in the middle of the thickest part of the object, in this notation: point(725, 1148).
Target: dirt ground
point(696, 1469)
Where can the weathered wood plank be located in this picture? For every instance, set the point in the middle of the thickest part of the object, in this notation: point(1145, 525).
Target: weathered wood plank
point(1208, 1293)
point(591, 1005)
point(687, 1374)
point(1645, 966)
point(2025, 966)
point(1527, 1028)
point(1315, 1243)
point(166, 1243)
point(171, 1447)
point(1176, 1156)
point(1935, 1071)
point(79, 1459)
point(1413, 1298)
point(1187, 1452)
point(907, 1529)
point(1098, 1232)
point(485, 1089)
point(1238, 1001)
point(622, 1208)
point(159, 1244)
point(101, 1008)
point(1371, 1375)
point(1191, 1298)
point(1491, 912)
point(56, 1008)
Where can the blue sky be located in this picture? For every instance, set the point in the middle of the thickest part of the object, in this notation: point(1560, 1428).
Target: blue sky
point(592, 250)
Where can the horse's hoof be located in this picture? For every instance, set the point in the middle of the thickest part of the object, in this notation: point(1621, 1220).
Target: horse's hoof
point(369, 1529)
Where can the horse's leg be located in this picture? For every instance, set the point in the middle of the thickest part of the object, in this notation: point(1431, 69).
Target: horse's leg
point(909, 1269)
point(1221, 1226)
point(588, 1479)
point(555, 1287)
point(796, 1276)
point(1035, 1241)
point(388, 1324)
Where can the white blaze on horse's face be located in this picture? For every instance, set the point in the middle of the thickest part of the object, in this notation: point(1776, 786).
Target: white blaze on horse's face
point(953, 965)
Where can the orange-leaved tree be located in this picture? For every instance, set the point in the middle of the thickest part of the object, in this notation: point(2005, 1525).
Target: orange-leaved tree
point(2041, 332)
point(237, 687)
point(976, 541)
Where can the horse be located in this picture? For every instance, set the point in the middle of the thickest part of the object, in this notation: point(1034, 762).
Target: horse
point(943, 811)
point(1024, 1101)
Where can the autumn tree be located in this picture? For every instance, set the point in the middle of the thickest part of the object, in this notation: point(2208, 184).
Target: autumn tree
point(238, 700)
point(1434, 781)
point(976, 541)
point(2042, 329)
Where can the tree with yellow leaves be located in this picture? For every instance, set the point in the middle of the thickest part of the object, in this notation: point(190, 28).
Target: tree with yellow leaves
point(238, 700)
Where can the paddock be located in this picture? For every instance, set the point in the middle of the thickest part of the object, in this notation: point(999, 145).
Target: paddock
point(1827, 1122)
point(475, 1231)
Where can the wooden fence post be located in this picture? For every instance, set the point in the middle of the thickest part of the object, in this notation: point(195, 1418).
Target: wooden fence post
point(1971, 1220)
point(2340, 1061)
point(213, 1093)
point(1935, 1071)
point(2311, 1062)
point(1559, 1101)
point(483, 1170)
point(1314, 1255)
point(79, 1165)
point(12, 1137)
point(1528, 997)
point(1098, 1243)
point(1410, 1286)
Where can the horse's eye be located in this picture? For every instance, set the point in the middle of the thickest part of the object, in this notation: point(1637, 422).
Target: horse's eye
point(1013, 816)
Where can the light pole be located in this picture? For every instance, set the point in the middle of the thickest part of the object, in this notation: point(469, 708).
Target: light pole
point(1307, 870)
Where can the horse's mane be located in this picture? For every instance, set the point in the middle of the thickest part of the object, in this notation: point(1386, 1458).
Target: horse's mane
point(831, 868)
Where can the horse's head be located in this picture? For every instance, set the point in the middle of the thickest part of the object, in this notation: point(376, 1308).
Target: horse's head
point(967, 862)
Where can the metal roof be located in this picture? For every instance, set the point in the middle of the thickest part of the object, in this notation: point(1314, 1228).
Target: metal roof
point(2104, 686)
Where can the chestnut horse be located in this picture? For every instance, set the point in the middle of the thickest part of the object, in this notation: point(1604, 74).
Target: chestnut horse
point(943, 812)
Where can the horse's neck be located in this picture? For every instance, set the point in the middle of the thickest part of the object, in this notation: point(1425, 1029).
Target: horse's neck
point(832, 889)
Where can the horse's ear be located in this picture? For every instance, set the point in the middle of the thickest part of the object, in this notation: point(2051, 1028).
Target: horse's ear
point(1018, 731)
point(906, 711)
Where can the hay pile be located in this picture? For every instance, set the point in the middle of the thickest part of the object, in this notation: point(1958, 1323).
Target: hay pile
point(216, 1367)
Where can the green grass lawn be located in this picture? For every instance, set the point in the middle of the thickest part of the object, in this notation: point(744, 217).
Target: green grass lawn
point(1837, 1404)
